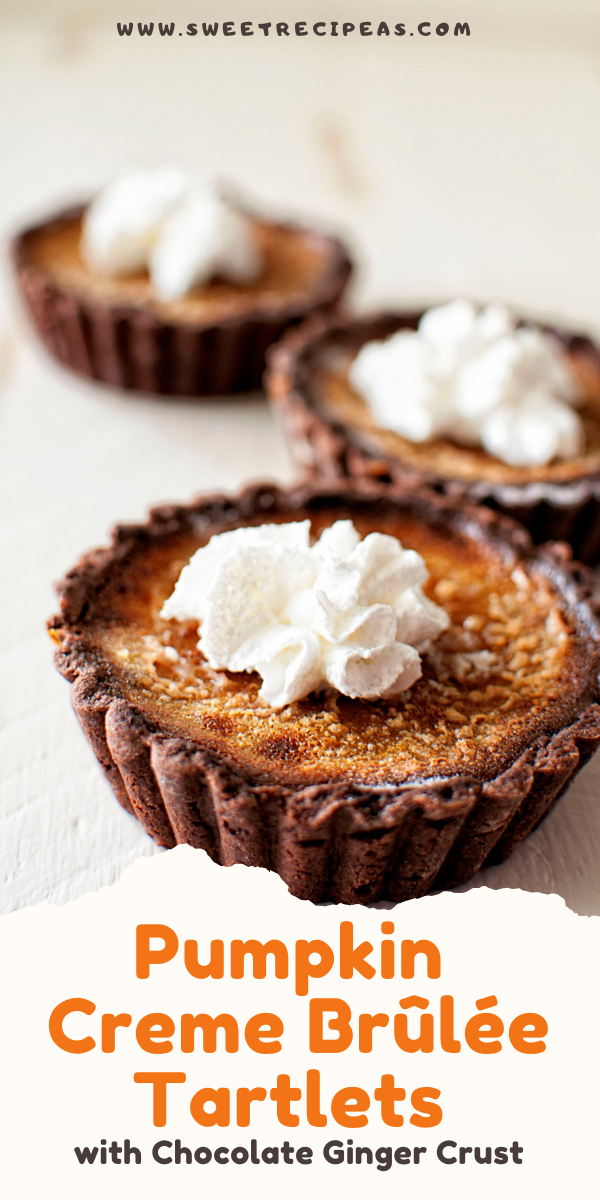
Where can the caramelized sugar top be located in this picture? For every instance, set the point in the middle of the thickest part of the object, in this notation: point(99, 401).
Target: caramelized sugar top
point(457, 718)
point(293, 261)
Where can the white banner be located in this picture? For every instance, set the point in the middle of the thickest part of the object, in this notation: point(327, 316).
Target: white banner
point(448, 1045)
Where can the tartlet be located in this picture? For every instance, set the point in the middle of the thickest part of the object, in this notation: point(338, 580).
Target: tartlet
point(349, 801)
point(213, 341)
point(332, 434)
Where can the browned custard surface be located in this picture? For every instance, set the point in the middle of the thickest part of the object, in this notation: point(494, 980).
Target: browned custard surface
point(455, 719)
point(293, 260)
point(341, 404)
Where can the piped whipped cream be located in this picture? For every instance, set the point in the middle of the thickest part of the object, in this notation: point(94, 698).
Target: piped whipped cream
point(342, 613)
point(182, 233)
point(475, 377)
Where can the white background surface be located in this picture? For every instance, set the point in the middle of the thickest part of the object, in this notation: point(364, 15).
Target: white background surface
point(454, 165)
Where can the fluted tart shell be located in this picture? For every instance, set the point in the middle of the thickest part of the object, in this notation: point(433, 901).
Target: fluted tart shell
point(213, 341)
point(349, 800)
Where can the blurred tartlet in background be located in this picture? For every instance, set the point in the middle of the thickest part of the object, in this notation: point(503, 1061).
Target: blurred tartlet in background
point(163, 285)
point(471, 401)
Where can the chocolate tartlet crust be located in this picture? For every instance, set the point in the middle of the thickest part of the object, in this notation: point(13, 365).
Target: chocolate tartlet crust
point(332, 434)
point(350, 801)
point(211, 342)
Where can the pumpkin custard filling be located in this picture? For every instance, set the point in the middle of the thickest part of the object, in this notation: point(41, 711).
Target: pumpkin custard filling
point(487, 678)
point(341, 403)
point(292, 259)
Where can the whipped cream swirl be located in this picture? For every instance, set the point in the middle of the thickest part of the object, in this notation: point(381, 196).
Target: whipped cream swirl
point(342, 613)
point(182, 233)
point(475, 377)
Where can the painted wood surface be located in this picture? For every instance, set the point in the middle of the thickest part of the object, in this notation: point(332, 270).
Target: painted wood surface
point(453, 168)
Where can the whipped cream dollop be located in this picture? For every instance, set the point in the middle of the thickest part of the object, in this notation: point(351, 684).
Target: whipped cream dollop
point(342, 613)
point(474, 376)
point(182, 232)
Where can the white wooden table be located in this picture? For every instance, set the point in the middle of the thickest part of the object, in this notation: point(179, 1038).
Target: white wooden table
point(468, 168)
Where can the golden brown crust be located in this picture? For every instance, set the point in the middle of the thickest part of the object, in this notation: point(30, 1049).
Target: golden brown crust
point(558, 502)
point(126, 339)
point(329, 838)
